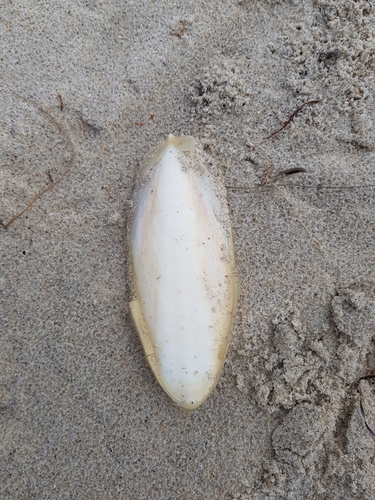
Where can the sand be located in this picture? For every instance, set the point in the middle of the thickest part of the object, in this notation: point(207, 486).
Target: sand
point(87, 90)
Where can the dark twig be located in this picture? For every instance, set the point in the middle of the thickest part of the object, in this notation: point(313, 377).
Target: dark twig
point(61, 102)
point(49, 175)
point(270, 169)
point(56, 182)
point(289, 171)
point(361, 405)
point(292, 116)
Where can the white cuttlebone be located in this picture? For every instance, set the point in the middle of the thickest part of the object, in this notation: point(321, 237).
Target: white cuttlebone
point(184, 274)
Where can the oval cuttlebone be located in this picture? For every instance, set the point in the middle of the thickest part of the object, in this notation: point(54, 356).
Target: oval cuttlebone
point(183, 271)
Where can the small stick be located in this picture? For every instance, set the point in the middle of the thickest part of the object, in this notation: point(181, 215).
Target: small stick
point(292, 116)
point(57, 181)
point(289, 171)
point(361, 405)
point(267, 174)
point(364, 418)
point(49, 175)
point(61, 102)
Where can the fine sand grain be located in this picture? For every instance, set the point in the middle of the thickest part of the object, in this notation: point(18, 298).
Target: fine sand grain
point(87, 90)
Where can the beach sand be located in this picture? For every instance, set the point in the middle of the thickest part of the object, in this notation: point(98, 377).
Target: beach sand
point(87, 90)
